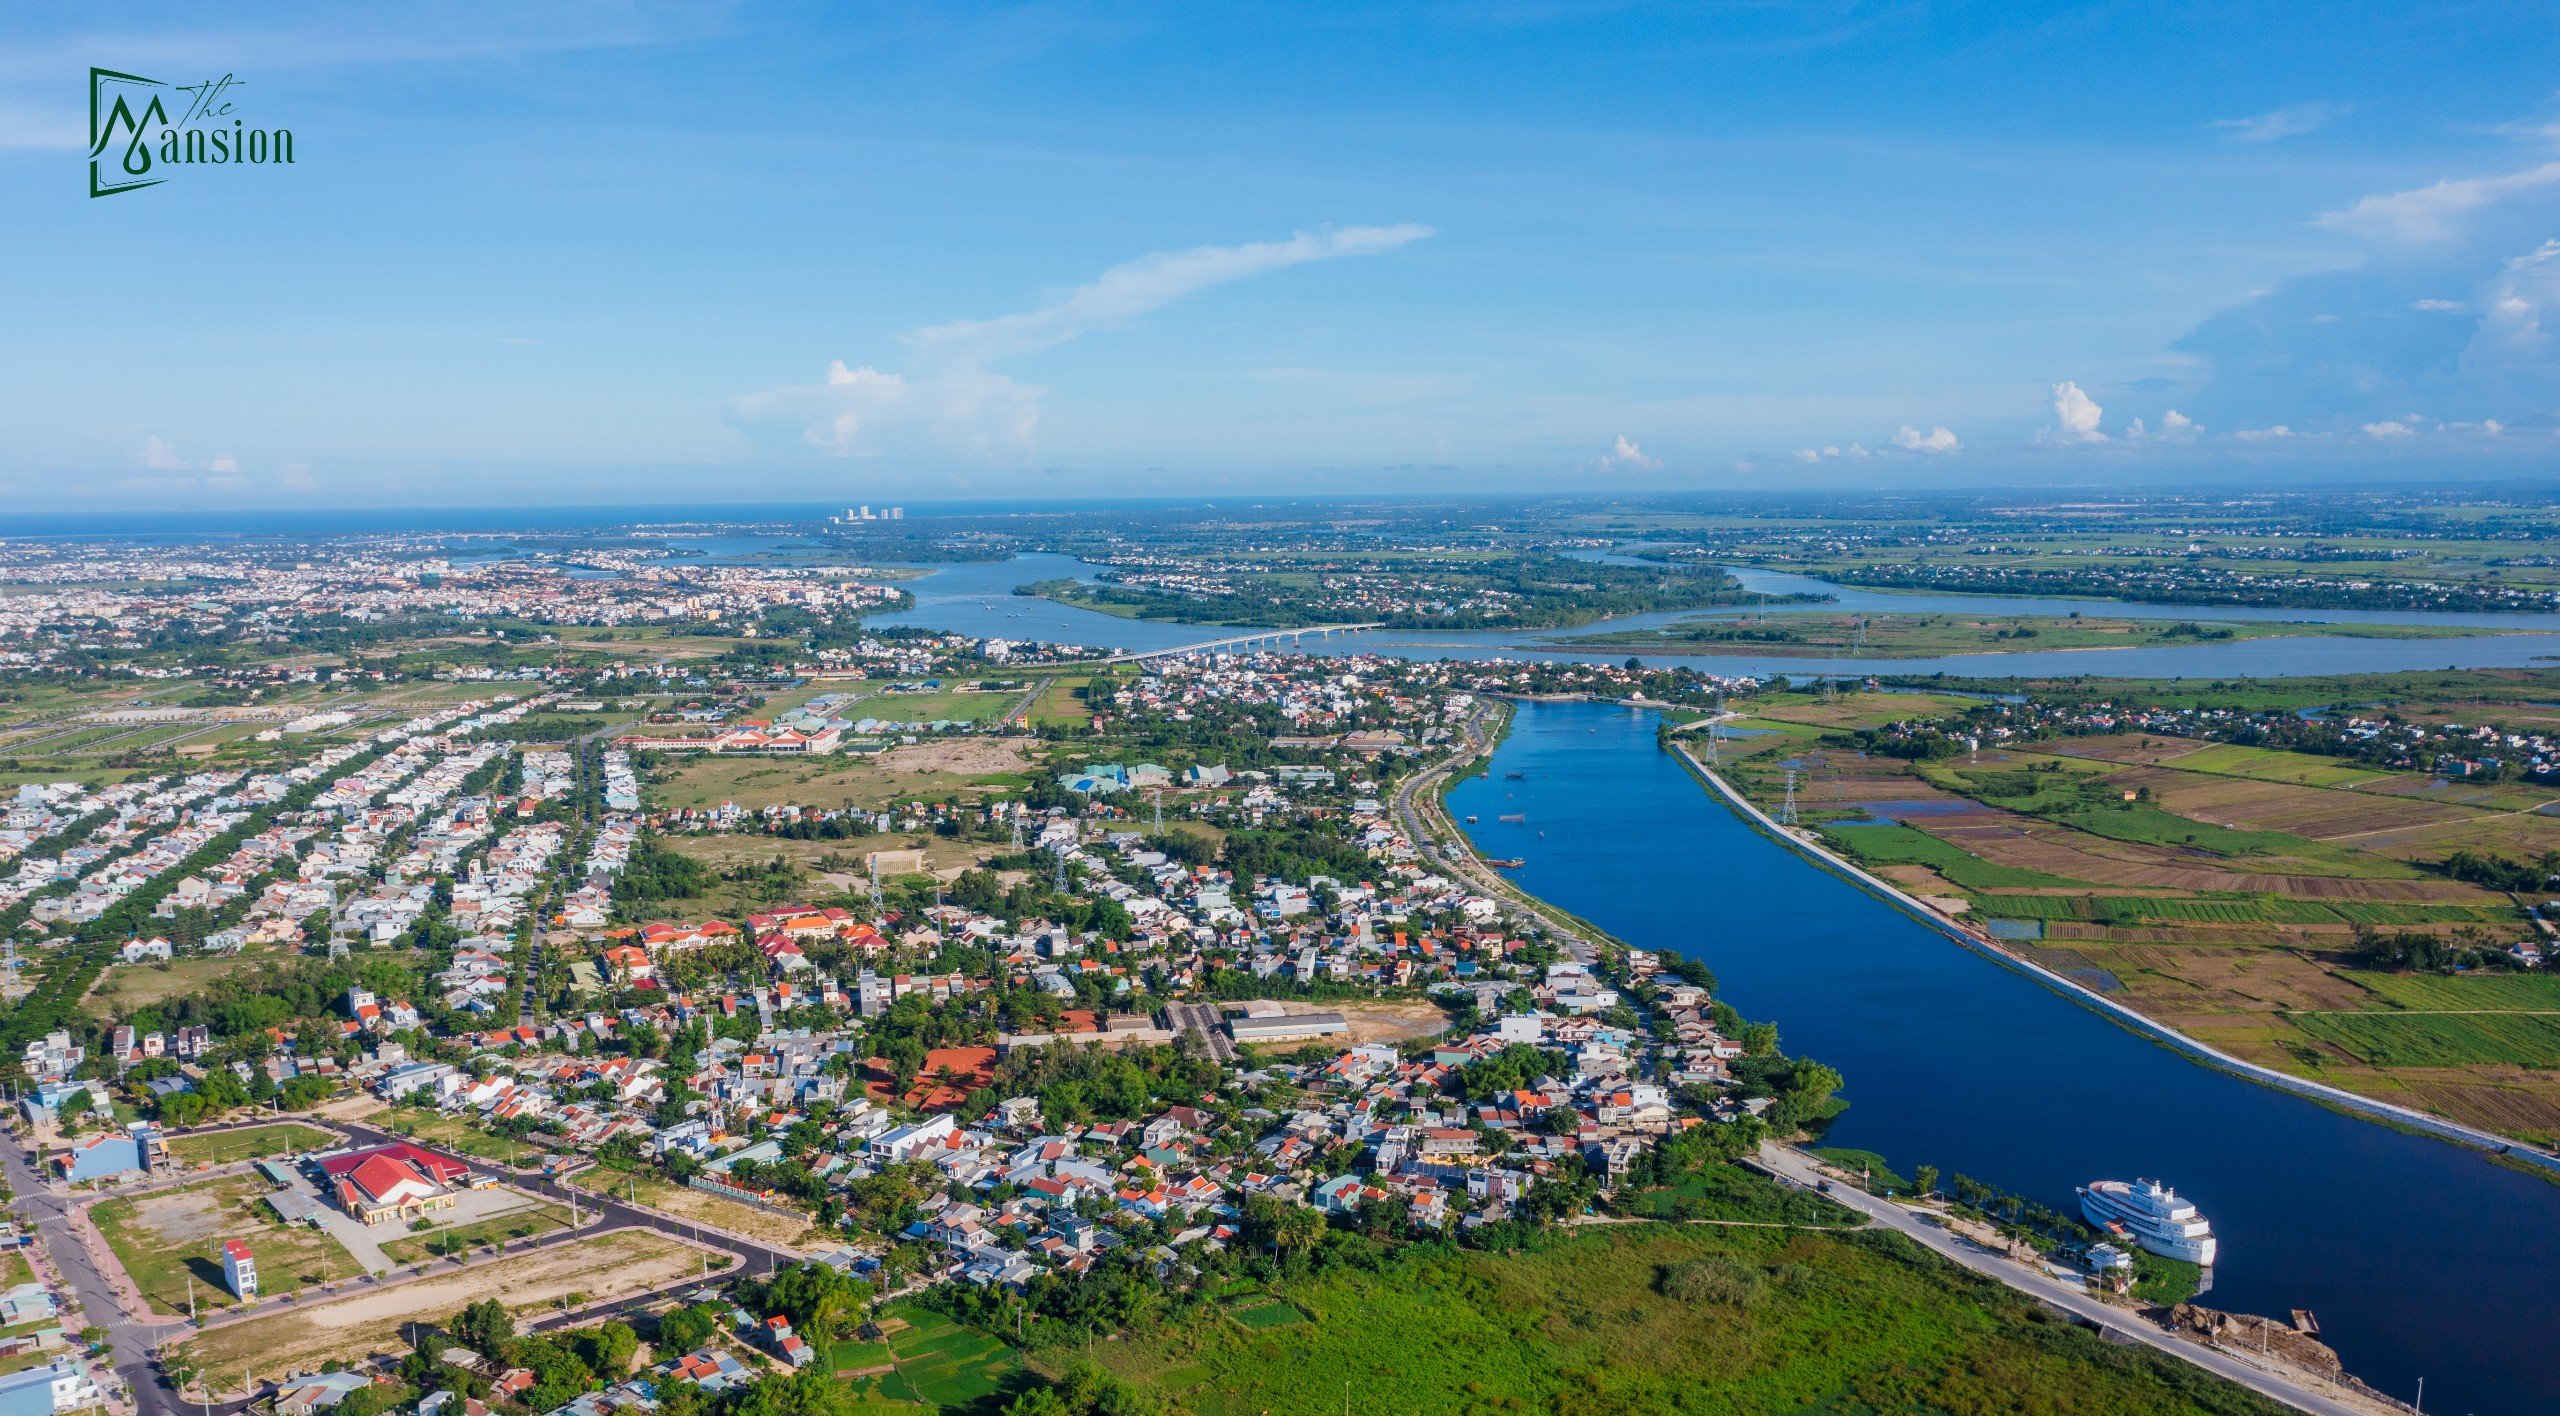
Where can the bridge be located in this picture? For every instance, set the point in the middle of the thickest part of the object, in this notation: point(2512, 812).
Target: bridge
point(1237, 641)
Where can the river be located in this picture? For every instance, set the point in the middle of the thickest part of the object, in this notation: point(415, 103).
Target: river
point(2419, 1256)
point(977, 598)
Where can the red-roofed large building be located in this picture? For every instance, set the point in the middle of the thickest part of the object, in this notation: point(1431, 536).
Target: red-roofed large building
point(394, 1182)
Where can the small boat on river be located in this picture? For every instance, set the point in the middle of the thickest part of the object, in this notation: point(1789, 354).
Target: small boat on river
point(1513, 817)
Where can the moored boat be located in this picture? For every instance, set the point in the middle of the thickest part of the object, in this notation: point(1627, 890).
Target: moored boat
point(2151, 1215)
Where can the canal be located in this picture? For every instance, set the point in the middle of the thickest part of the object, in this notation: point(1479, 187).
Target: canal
point(2421, 1258)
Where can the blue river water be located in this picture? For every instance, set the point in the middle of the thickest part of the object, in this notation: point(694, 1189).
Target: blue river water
point(978, 598)
point(2417, 1255)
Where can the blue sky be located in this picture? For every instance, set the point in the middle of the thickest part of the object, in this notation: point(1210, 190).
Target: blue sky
point(561, 252)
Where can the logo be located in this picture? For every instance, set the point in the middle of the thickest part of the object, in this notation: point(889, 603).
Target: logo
point(134, 142)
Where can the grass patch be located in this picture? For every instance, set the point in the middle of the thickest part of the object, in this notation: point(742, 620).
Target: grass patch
point(1732, 1193)
point(522, 1224)
point(1839, 1323)
point(2162, 1280)
point(455, 1134)
point(252, 1143)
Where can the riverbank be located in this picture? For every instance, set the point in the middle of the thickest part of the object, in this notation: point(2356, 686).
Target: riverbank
point(2542, 1163)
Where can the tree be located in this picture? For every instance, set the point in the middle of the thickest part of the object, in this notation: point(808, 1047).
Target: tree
point(610, 1349)
point(485, 1327)
point(1924, 1179)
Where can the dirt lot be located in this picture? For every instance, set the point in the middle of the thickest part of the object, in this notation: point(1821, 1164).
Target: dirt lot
point(1392, 1021)
point(313, 1337)
point(702, 1207)
point(968, 756)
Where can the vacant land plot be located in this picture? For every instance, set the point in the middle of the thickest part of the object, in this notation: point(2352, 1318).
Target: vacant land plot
point(926, 770)
point(455, 1134)
point(125, 987)
point(933, 707)
point(169, 1237)
point(700, 1206)
point(1804, 1322)
point(315, 1336)
point(248, 1143)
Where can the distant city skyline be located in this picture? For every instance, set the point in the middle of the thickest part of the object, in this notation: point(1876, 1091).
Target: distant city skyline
point(618, 254)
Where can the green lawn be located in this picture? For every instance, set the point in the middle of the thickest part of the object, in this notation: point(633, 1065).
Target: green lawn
point(1803, 1322)
point(2267, 764)
point(254, 1143)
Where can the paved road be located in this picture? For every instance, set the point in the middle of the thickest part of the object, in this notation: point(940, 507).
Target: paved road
point(2300, 1393)
point(129, 1342)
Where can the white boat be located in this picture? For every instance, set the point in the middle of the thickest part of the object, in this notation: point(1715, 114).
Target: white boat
point(2151, 1215)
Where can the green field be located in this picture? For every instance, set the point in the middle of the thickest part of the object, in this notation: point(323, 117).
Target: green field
point(2523, 993)
point(940, 1364)
point(934, 707)
point(2267, 764)
point(252, 1143)
point(457, 1135)
point(1768, 1321)
point(2439, 1039)
point(1905, 845)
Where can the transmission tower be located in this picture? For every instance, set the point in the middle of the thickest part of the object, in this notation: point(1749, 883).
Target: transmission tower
point(1858, 646)
point(1062, 870)
point(1787, 809)
point(1158, 797)
point(1017, 831)
point(1715, 735)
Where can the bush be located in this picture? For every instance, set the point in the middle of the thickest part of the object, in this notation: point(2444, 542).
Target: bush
point(1718, 1281)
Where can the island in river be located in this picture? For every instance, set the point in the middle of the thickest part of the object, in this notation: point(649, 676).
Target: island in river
point(1817, 634)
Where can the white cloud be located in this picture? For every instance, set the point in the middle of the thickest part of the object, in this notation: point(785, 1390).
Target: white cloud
point(2266, 434)
point(2429, 214)
point(1150, 283)
point(2075, 415)
point(2441, 306)
point(1627, 455)
point(952, 400)
point(223, 462)
point(2291, 121)
point(158, 455)
point(1808, 454)
point(2392, 429)
point(1911, 439)
point(2174, 424)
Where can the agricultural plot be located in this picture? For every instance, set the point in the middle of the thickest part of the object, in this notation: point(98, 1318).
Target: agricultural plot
point(1904, 845)
point(940, 1364)
point(2439, 1039)
point(168, 1239)
point(2441, 993)
point(2273, 765)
